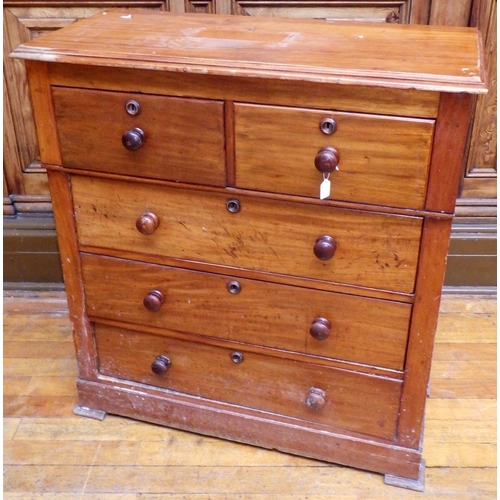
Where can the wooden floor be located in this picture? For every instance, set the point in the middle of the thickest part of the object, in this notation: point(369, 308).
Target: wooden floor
point(49, 453)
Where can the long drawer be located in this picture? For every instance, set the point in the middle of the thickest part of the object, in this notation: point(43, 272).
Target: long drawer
point(324, 243)
point(339, 398)
point(381, 160)
point(182, 139)
point(308, 321)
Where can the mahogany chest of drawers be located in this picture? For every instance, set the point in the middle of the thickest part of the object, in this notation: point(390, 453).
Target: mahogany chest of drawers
point(253, 217)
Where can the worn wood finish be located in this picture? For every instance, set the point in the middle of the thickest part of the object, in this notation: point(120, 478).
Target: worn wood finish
point(28, 20)
point(164, 353)
point(43, 112)
point(265, 235)
point(235, 192)
point(48, 451)
point(286, 43)
point(357, 291)
point(68, 247)
point(362, 330)
point(91, 124)
point(362, 99)
point(259, 381)
point(435, 241)
point(448, 152)
point(63, 212)
point(383, 160)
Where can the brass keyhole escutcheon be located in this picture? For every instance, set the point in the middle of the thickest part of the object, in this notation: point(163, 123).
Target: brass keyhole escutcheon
point(233, 205)
point(132, 107)
point(234, 287)
point(328, 126)
point(237, 357)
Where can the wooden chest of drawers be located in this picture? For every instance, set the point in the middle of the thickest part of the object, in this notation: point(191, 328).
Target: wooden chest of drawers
point(210, 287)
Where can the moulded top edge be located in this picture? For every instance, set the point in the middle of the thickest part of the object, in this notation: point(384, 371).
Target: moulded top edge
point(435, 58)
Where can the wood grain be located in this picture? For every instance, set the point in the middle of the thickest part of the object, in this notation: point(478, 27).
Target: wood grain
point(265, 235)
point(383, 161)
point(184, 138)
point(43, 112)
point(459, 450)
point(265, 383)
point(447, 160)
point(70, 260)
point(362, 99)
point(432, 264)
point(263, 396)
point(481, 159)
point(291, 48)
point(362, 330)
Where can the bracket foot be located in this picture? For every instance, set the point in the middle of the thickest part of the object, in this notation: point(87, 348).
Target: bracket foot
point(83, 411)
point(410, 484)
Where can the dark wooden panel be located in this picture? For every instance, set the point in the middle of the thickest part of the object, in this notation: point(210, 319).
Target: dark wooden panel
point(31, 253)
point(183, 138)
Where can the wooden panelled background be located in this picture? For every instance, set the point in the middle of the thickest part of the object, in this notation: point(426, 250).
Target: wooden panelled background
point(30, 248)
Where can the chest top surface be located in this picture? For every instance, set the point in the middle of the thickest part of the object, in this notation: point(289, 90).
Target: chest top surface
point(443, 59)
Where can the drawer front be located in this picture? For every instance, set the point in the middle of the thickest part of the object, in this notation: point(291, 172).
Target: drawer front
point(373, 250)
point(382, 160)
point(361, 330)
point(183, 138)
point(352, 401)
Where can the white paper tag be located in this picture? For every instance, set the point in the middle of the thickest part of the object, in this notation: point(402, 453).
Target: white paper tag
point(324, 189)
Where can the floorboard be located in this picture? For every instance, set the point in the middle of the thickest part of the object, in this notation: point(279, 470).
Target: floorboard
point(51, 454)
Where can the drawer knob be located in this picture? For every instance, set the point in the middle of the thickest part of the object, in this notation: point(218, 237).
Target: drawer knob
point(315, 398)
point(326, 160)
point(325, 247)
point(133, 139)
point(320, 328)
point(161, 365)
point(328, 126)
point(147, 223)
point(153, 300)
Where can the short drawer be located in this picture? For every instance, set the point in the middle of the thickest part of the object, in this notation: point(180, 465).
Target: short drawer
point(357, 402)
point(381, 160)
point(333, 325)
point(324, 243)
point(182, 139)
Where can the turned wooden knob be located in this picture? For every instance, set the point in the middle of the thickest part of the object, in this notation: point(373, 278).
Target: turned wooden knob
point(325, 247)
point(326, 160)
point(315, 398)
point(133, 139)
point(161, 365)
point(153, 300)
point(147, 223)
point(320, 328)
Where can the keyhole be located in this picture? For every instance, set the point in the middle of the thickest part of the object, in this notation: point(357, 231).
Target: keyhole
point(237, 357)
point(233, 205)
point(132, 107)
point(233, 287)
point(328, 126)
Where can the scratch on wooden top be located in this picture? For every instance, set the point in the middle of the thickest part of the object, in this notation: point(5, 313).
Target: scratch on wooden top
point(421, 57)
